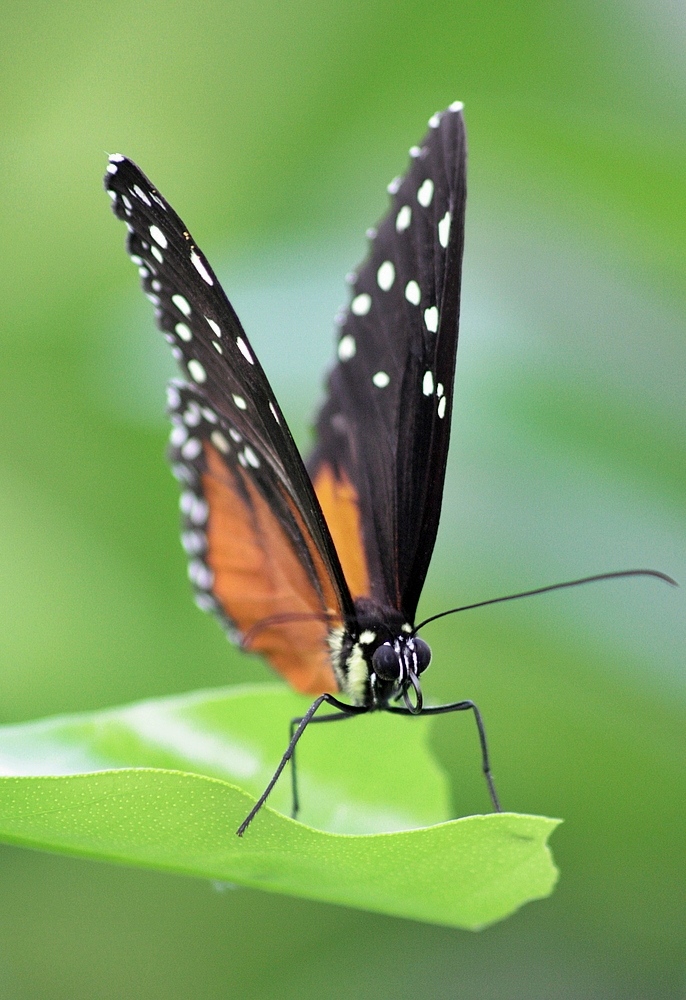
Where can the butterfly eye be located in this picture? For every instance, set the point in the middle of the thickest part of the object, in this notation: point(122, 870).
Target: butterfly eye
point(385, 662)
point(423, 654)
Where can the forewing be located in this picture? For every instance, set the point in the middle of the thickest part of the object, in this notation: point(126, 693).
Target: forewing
point(383, 433)
point(268, 550)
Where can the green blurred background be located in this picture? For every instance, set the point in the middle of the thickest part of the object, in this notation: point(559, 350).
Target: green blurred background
point(273, 129)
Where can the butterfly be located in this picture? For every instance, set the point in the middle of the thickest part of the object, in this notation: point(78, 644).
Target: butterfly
point(319, 566)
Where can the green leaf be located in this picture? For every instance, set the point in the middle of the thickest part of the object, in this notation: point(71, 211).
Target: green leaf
point(164, 797)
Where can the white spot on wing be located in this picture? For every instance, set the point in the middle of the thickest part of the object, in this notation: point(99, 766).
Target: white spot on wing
point(456, 106)
point(361, 304)
point(178, 435)
point(200, 574)
point(191, 449)
point(444, 230)
point(274, 413)
point(439, 389)
point(196, 371)
point(243, 348)
point(385, 276)
point(181, 304)
point(200, 268)
point(426, 193)
point(155, 251)
point(193, 542)
point(215, 327)
point(347, 348)
point(441, 406)
point(184, 331)
point(250, 457)
point(403, 219)
point(431, 319)
point(219, 441)
point(381, 380)
point(240, 402)
point(392, 188)
point(435, 120)
point(428, 383)
point(142, 195)
point(199, 511)
point(159, 237)
point(413, 293)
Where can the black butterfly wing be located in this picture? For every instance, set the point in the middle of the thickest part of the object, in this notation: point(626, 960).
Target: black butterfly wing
point(379, 463)
point(261, 554)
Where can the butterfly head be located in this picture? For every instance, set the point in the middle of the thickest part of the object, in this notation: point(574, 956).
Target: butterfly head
point(380, 660)
point(396, 666)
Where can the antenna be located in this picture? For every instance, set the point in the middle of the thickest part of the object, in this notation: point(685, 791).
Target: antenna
point(554, 586)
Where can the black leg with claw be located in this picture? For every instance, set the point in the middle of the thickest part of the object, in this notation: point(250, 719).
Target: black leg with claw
point(463, 706)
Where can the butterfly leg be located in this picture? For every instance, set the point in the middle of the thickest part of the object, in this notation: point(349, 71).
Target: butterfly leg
point(302, 726)
point(464, 706)
point(296, 722)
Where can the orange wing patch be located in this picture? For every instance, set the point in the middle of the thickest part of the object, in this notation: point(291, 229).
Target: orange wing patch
point(338, 500)
point(258, 575)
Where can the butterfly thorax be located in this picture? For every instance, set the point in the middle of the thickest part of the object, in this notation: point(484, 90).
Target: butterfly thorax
point(377, 658)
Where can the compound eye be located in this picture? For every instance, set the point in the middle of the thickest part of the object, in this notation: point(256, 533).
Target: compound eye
point(423, 654)
point(385, 662)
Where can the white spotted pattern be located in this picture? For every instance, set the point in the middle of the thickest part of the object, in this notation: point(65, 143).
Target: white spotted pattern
point(385, 276)
point(184, 331)
point(347, 347)
point(413, 293)
point(431, 319)
point(441, 407)
point(444, 230)
point(157, 254)
point(428, 383)
point(219, 441)
point(361, 304)
point(215, 327)
point(159, 237)
point(181, 304)
point(201, 269)
point(426, 193)
point(191, 449)
point(178, 435)
point(199, 511)
point(243, 348)
point(403, 219)
point(240, 402)
point(381, 380)
point(196, 371)
point(142, 195)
